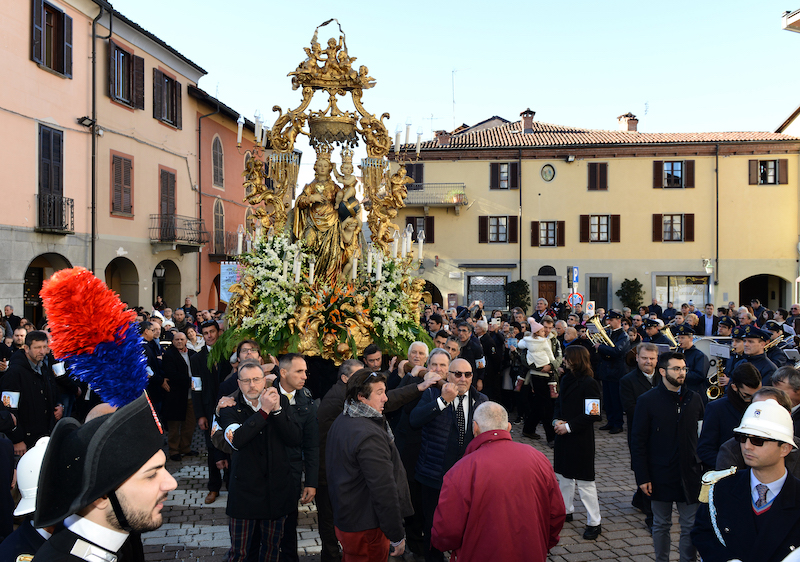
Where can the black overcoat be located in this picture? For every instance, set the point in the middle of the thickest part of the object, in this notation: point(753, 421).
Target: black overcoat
point(574, 451)
point(176, 370)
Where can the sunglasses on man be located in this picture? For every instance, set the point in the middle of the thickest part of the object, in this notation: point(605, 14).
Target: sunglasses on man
point(755, 441)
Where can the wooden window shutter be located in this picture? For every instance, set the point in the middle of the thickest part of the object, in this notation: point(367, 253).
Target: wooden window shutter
point(172, 194)
point(127, 186)
point(428, 230)
point(483, 230)
point(513, 230)
point(615, 228)
point(658, 174)
point(138, 82)
point(658, 231)
point(752, 172)
point(560, 233)
point(116, 165)
point(178, 111)
point(513, 172)
point(602, 176)
point(688, 173)
point(56, 164)
point(783, 171)
point(67, 46)
point(534, 233)
point(494, 176)
point(45, 148)
point(158, 94)
point(164, 193)
point(592, 176)
point(112, 75)
point(37, 33)
point(688, 227)
point(584, 228)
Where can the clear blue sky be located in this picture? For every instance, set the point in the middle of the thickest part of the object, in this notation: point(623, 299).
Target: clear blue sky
point(680, 66)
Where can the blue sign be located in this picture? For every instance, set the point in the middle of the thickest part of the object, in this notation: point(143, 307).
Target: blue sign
point(575, 274)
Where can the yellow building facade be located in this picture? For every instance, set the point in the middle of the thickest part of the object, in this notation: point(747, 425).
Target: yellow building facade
point(708, 217)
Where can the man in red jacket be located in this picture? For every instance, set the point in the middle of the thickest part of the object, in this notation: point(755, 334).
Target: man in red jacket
point(479, 492)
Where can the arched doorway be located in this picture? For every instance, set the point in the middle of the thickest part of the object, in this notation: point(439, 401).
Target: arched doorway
point(123, 278)
point(167, 283)
point(40, 268)
point(771, 290)
point(435, 294)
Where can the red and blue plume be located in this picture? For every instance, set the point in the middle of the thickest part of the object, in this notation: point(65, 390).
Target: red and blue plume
point(94, 335)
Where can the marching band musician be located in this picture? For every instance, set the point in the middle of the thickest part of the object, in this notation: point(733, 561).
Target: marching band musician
point(653, 333)
point(737, 350)
point(725, 326)
point(696, 361)
point(754, 341)
point(612, 368)
point(776, 353)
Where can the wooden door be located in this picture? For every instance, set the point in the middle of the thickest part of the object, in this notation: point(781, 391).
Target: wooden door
point(547, 290)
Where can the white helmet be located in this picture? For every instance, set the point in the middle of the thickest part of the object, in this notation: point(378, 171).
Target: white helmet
point(768, 419)
point(28, 470)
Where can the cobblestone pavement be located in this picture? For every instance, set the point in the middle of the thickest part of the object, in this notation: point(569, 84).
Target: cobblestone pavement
point(194, 531)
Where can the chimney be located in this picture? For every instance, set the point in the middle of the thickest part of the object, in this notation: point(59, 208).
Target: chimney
point(442, 138)
point(628, 122)
point(527, 120)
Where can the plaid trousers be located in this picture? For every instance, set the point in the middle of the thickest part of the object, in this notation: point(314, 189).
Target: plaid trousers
point(249, 536)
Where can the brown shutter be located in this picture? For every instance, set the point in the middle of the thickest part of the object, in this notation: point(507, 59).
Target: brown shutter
point(658, 174)
point(494, 176)
point(37, 35)
point(658, 230)
point(57, 162)
point(584, 228)
point(116, 165)
point(429, 230)
point(112, 47)
point(45, 151)
point(615, 230)
point(513, 230)
point(560, 233)
point(138, 82)
point(67, 46)
point(127, 186)
point(534, 233)
point(483, 230)
point(513, 172)
point(178, 109)
point(688, 173)
point(158, 94)
point(688, 228)
point(602, 176)
point(752, 172)
point(783, 171)
point(592, 176)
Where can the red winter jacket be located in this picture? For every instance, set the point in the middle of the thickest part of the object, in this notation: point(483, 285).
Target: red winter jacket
point(500, 502)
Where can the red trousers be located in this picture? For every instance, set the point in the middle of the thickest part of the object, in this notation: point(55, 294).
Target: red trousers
point(364, 546)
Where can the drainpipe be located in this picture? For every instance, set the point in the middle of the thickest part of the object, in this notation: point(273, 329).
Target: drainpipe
point(94, 122)
point(716, 252)
point(519, 223)
point(200, 190)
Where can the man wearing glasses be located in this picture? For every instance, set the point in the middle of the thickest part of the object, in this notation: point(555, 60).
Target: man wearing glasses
point(664, 454)
point(445, 418)
point(260, 428)
point(753, 515)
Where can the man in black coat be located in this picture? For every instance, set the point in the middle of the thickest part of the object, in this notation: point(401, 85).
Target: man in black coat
point(755, 339)
point(261, 428)
point(697, 362)
point(204, 401)
point(471, 350)
point(664, 453)
point(153, 352)
point(611, 369)
point(494, 360)
point(30, 394)
point(753, 515)
point(788, 380)
point(11, 318)
point(177, 408)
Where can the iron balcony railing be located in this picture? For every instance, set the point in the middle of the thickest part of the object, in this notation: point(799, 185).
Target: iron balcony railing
point(56, 214)
point(436, 194)
point(177, 229)
point(225, 243)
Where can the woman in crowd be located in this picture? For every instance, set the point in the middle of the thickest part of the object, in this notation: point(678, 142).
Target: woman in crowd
point(195, 342)
point(577, 408)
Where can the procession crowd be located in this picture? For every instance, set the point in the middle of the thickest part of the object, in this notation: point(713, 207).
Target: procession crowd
point(412, 457)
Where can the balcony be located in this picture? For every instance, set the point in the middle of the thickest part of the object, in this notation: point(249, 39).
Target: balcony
point(56, 214)
point(225, 246)
point(176, 232)
point(437, 195)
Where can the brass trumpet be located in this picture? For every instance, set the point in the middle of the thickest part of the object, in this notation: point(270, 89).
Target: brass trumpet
point(600, 336)
point(668, 333)
point(716, 389)
point(776, 342)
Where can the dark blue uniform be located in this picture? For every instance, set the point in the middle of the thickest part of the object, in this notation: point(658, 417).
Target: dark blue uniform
point(610, 370)
point(721, 417)
point(763, 364)
point(697, 376)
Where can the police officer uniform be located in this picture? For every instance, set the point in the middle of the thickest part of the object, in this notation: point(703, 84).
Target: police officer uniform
point(696, 362)
point(659, 338)
point(760, 361)
point(776, 353)
point(611, 369)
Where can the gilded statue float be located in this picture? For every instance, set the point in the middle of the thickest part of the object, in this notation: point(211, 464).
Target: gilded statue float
point(311, 284)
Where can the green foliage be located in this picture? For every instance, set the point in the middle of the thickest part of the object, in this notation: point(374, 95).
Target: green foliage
point(518, 294)
point(631, 293)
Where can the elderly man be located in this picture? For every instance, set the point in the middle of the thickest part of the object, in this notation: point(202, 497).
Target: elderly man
point(261, 429)
point(366, 479)
point(444, 417)
point(787, 379)
point(752, 514)
point(480, 493)
point(10, 317)
point(178, 410)
point(470, 349)
point(541, 309)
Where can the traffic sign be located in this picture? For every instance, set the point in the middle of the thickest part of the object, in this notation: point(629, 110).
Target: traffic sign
point(575, 299)
point(575, 275)
point(590, 308)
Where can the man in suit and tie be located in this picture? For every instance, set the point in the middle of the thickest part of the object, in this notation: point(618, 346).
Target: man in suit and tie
point(205, 399)
point(445, 418)
point(752, 515)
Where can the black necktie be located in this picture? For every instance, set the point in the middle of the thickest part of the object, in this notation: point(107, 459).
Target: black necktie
point(460, 420)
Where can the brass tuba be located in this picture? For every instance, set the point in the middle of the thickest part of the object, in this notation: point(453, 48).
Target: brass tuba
point(667, 332)
point(600, 336)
